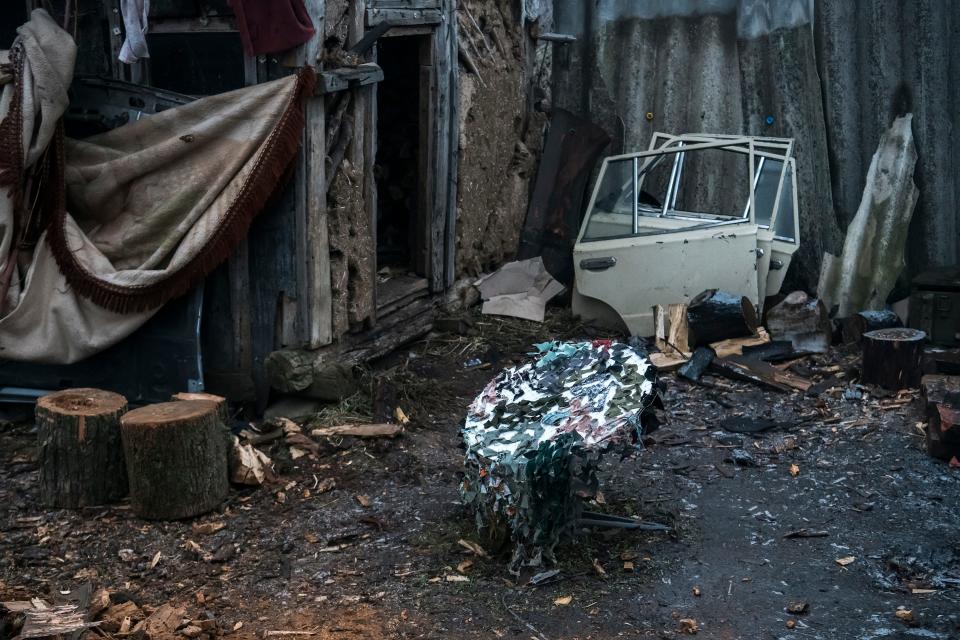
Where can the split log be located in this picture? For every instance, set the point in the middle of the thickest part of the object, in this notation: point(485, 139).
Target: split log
point(698, 363)
point(858, 324)
point(385, 430)
point(81, 453)
point(176, 459)
point(891, 358)
point(803, 321)
point(223, 408)
point(716, 315)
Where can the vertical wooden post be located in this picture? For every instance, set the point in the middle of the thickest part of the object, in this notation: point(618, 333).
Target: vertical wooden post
point(450, 241)
point(313, 246)
point(442, 66)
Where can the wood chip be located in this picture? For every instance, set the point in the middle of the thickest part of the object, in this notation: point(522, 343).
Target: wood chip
point(206, 528)
point(472, 547)
point(363, 500)
point(794, 470)
point(457, 578)
point(563, 601)
point(845, 561)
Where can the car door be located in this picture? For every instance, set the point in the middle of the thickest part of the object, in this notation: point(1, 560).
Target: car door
point(650, 239)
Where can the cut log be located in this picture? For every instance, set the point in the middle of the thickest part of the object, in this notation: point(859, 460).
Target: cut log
point(941, 405)
point(803, 321)
point(858, 324)
point(176, 459)
point(716, 315)
point(81, 453)
point(223, 408)
point(891, 358)
point(735, 346)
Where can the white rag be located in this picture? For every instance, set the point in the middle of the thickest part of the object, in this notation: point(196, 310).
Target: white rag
point(135, 24)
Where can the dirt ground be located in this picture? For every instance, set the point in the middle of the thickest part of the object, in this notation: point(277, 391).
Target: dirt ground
point(841, 464)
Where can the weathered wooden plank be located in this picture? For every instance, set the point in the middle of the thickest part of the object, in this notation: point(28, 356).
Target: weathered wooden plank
point(450, 241)
point(404, 17)
point(346, 78)
point(313, 246)
point(426, 163)
point(370, 182)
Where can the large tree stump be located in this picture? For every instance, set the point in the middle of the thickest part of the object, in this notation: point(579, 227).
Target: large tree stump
point(891, 358)
point(176, 459)
point(717, 315)
point(81, 454)
point(223, 407)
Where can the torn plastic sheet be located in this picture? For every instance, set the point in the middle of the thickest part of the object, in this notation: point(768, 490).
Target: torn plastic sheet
point(519, 289)
point(536, 434)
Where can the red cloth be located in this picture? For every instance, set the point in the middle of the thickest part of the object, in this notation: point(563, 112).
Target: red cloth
point(272, 26)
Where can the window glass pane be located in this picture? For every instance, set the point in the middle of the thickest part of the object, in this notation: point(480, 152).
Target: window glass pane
point(197, 64)
point(765, 194)
point(785, 226)
point(612, 213)
point(713, 182)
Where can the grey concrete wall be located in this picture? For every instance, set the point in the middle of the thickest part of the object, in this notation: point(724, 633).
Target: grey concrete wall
point(725, 66)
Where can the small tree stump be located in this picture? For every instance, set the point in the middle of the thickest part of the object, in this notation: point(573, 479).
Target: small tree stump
point(891, 358)
point(81, 454)
point(176, 459)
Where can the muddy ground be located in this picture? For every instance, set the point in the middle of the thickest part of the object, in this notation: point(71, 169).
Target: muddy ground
point(844, 465)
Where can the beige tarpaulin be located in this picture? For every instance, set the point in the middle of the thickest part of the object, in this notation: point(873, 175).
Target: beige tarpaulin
point(153, 206)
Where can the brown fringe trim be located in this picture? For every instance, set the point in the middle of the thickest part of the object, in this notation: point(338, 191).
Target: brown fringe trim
point(280, 149)
point(11, 131)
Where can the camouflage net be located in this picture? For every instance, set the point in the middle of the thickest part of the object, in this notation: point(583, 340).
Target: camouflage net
point(536, 434)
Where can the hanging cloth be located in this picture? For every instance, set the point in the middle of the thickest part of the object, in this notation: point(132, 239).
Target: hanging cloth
point(135, 14)
point(272, 26)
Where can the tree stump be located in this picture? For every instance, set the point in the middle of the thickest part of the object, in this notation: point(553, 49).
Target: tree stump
point(223, 408)
point(176, 459)
point(891, 358)
point(81, 453)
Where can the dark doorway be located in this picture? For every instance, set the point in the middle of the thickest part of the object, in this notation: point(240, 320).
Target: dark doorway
point(400, 210)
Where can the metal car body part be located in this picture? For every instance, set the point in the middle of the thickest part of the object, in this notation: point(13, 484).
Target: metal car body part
point(693, 212)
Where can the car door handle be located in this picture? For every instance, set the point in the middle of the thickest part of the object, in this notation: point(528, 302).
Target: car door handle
point(776, 264)
point(598, 264)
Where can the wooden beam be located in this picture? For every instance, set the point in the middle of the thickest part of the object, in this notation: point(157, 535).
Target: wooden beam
point(403, 17)
point(348, 78)
point(313, 245)
point(405, 4)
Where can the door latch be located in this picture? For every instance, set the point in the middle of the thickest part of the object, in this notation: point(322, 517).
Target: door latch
point(598, 264)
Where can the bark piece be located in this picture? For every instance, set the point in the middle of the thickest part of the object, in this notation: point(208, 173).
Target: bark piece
point(81, 454)
point(891, 358)
point(860, 323)
point(803, 321)
point(248, 465)
point(671, 329)
point(177, 459)
point(761, 373)
point(864, 274)
point(716, 315)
